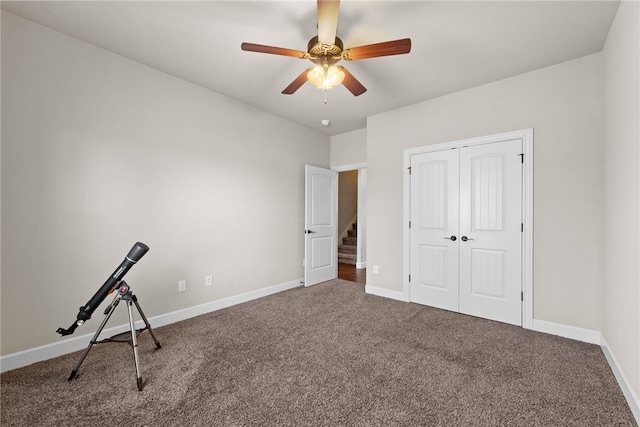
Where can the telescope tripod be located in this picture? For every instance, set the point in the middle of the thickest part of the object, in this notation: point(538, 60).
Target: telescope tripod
point(124, 293)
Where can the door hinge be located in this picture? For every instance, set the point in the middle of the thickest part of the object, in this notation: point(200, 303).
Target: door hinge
point(409, 170)
point(409, 277)
point(409, 224)
point(521, 296)
point(521, 157)
point(522, 227)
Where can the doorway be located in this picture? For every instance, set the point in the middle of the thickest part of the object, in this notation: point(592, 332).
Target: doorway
point(351, 225)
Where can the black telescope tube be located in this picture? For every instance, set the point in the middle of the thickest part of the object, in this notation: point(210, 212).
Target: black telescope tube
point(134, 255)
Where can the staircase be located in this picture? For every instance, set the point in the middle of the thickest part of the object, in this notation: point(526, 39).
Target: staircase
point(347, 251)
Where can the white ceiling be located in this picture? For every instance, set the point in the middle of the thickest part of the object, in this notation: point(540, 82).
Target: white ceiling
point(455, 46)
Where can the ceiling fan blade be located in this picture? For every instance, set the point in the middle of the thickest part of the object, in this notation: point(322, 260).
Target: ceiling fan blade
point(351, 83)
point(260, 48)
point(395, 47)
point(296, 84)
point(328, 21)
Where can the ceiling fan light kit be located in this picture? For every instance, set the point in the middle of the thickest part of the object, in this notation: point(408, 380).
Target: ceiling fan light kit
point(325, 76)
point(326, 49)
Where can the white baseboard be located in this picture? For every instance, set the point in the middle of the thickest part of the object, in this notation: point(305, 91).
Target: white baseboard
point(632, 398)
point(594, 337)
point(578, 334)
point(69, 345)
point(386, 293)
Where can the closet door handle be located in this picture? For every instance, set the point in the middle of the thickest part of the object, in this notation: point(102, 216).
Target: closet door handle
point(452, 238)
point(465, 238)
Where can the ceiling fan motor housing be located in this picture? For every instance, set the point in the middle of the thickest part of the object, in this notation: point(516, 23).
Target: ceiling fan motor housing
point(321, 53)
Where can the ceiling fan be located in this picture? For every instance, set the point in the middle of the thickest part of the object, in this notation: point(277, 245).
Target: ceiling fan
point(326, 49)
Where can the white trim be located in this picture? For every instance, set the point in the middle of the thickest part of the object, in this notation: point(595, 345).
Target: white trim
point(572, 332)
point(351, 167)
point(527, 219)
point(627, 391)
point(361, 216)
point(187, 313)
point(385, 293)
point(361, 241)
point(406, 217)
point(526, 135)
point(38, 354)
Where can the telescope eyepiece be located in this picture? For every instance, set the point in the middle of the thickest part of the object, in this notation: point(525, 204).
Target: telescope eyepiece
point(84, 314)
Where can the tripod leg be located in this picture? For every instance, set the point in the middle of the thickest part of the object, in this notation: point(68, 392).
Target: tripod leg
point(146, 322)
point(134, 341)
point(94, 340)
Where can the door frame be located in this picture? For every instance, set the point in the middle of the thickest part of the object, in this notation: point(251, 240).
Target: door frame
point(526, 135)
point(361, 257)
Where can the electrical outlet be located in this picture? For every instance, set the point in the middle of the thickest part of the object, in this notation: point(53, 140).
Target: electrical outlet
point(182, 285)
point(375, 269)
point(208, 280)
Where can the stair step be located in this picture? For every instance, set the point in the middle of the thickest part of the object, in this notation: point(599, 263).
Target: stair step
point(347, 249)
point(352, 233)
point(347, 258)
point(346, 255)
point(353, 241)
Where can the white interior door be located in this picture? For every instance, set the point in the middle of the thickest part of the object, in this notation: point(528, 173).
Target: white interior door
point(434, 229)
point(321, 225)
point(466, 236)
point(490, 231)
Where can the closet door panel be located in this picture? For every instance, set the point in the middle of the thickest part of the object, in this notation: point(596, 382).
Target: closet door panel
point(434, 219)
point(490, 247)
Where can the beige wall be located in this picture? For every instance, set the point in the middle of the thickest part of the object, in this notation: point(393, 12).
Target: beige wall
point(99, 152)
point(621, 278)
point(563, 104)
point(349, 148)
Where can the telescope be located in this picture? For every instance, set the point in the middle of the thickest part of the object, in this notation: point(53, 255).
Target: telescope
point(134, 255)
point(124, 292)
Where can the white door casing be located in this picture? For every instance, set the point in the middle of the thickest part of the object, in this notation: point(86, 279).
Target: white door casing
point(472, 194)
point(321, 225)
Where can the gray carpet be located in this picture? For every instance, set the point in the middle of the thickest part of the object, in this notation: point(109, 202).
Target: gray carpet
point(327, 355)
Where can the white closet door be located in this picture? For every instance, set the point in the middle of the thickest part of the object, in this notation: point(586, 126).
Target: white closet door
point(490, 231)
point(434, 229)
point(466, 236)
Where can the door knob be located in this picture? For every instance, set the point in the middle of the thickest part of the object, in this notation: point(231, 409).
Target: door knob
point(465, 238)
point(452, 238)
point(309, 231)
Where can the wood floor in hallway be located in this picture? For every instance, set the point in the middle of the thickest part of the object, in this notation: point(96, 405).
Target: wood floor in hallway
point(351, 273)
